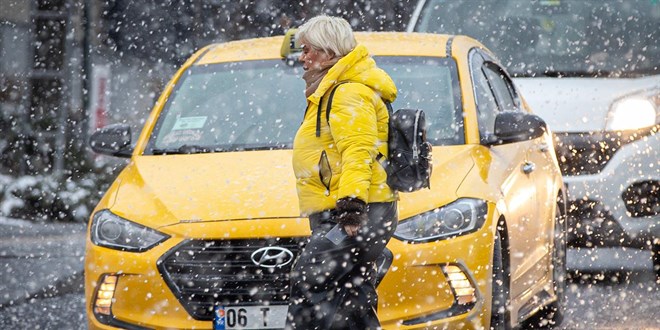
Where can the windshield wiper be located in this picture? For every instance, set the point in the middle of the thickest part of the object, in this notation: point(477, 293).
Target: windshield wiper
point(269, 147)
point(601, 73)
point(640, 72)
point(576, 73)
point(561, 73)
point(193, 149)
point(184, 149)
point(585, 73)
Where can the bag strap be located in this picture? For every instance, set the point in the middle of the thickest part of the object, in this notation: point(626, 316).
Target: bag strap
point(390, 111)
point(318, 118)
point(332, 95)
point(327, 110)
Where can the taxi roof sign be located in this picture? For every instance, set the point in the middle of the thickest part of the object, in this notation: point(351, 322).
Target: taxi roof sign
point(291, 47)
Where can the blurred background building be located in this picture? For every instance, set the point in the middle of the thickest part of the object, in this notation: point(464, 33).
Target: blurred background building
point(70, 66)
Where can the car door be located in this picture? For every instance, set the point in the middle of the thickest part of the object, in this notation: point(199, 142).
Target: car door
point(539, 167)
point(515, 175)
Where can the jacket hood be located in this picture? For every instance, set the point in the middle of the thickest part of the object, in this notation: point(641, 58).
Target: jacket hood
point(360, 67)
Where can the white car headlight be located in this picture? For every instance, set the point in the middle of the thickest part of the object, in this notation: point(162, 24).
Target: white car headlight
point(112, 231)
point(461, 217)
point(634, 112)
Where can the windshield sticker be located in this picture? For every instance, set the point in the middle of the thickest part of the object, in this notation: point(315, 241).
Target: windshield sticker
point(190, 135)
point(189, 123)
point(550, 2)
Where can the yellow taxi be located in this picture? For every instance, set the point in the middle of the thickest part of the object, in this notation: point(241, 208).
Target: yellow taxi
point(204, 222)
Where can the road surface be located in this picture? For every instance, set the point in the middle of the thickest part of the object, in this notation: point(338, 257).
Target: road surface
point(623, 299)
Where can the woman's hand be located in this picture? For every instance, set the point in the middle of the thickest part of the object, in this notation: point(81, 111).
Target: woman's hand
point(351, 230)
point(351, 214)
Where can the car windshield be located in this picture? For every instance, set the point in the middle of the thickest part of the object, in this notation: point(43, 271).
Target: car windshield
point(258, 105)
point(556, 37)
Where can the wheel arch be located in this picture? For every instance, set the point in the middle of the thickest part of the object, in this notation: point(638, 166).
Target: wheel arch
point(501, 228)
point(562, 199)
point(501, 319)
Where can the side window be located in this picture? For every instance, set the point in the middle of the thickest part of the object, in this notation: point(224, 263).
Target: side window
point(486, 104)
point(502, 87)
point(487, 107)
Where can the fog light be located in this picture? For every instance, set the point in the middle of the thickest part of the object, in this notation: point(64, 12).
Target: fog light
point(463, 289)
point(104, 295)
point(465, 295)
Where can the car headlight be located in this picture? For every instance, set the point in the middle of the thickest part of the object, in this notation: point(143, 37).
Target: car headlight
point(112, 231)
point(634, 112)
point(461, 217)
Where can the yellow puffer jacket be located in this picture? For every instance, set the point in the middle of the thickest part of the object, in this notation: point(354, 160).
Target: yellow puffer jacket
point(341, 162)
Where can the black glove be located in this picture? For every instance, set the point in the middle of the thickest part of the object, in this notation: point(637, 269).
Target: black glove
point(351, 211)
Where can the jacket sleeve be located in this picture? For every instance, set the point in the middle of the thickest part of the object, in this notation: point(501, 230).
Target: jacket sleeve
point(353, 126)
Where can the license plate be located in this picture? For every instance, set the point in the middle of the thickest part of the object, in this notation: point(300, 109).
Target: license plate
point(250, 317)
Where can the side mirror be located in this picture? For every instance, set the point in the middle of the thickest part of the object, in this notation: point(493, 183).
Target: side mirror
point(112, 140)
point(514, 126)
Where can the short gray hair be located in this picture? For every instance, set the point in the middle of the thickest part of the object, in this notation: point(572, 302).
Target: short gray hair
point(331, 34)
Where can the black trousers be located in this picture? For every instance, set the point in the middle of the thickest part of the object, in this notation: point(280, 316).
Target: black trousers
point(333, 285)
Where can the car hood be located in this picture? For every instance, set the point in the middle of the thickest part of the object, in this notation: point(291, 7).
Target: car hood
point(578, 104)
point(163, 190)
point(159, 191)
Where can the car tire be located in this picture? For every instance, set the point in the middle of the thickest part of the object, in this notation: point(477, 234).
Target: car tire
point(500, 318)
point(552, 315)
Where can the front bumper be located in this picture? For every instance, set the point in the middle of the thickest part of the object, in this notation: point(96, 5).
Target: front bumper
point(419, 290)
point(618, 205)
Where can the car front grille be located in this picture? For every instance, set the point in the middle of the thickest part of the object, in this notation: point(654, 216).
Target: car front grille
point(585, 153)
point(204, 273)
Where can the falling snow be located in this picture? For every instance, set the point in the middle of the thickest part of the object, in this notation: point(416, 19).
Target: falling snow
point(590, 69)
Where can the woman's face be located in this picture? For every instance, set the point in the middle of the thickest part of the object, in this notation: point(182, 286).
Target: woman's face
point(312, 57)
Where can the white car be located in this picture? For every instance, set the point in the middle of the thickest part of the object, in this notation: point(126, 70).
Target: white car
point(591, 70)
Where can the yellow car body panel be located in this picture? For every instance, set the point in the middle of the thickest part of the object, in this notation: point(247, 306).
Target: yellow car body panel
point(407, 291)
point(251, 195)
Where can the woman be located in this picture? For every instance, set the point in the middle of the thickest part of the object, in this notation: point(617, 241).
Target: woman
point(340, 183)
